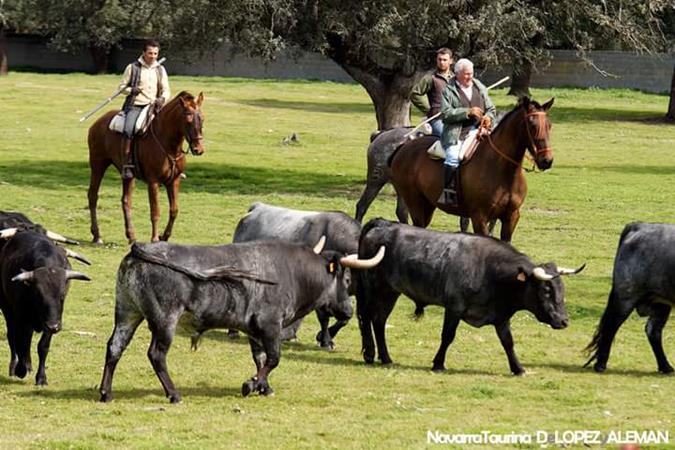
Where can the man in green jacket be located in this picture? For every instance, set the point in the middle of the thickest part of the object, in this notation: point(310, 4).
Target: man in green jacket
point(465, 105)
point(426, 95)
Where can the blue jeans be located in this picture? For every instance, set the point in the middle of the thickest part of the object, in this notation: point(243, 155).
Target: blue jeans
point(452, 151)
point(436, 127)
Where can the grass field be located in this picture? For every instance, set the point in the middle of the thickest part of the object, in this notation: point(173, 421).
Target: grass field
point(614, 163)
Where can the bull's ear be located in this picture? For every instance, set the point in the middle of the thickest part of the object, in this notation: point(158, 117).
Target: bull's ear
point(522, 275)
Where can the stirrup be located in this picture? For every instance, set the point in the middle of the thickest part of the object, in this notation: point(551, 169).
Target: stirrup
point(448, 197)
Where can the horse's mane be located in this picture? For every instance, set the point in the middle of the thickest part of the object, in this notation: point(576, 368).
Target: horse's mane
point(185, 95)
point(510, 114)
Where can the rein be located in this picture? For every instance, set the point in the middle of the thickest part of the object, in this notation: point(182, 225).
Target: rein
point(172, 160)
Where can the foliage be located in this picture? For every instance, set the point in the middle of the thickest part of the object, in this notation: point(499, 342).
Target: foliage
point(613, 164)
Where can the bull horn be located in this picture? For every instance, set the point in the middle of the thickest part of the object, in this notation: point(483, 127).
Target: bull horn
point(8, 233)
point(24, 276)
point(354, 262)
point(564, 271)
point(319, 245)
point(540, 274)
point(72, 275)
point(58, 238)
point(77, 256)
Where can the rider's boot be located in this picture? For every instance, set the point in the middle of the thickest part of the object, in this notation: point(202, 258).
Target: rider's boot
point(128, 166)
point(449, 195)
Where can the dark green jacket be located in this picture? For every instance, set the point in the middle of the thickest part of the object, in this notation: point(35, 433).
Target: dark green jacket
point(453, 113)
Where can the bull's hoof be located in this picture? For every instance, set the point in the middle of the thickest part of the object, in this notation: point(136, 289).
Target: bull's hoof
point(369, 359)
point(518, 373)
point(174, 398)
point(666, 370)
point(97, 241)
point(21, 371)
point(599, 367)
point(106, 397)
point(266, 391)
point(41, 381)
point(248, 387)
point(438, 369)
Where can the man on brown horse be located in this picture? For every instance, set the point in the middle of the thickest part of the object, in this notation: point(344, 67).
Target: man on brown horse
point(465, 105)
point(426, 95)
point(144, 81)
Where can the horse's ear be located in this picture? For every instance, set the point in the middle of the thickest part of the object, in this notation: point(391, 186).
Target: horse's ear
point(183, 102)
point(200, 99)
point(546, 106)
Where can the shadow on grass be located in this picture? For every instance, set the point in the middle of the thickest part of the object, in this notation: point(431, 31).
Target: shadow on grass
point(330, 107)
point(52, 392)
point(578, 368)
point(624, 169)
point(204, 177)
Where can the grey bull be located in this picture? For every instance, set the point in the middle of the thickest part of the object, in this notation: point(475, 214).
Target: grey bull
point(643, 280)
point(255, 287)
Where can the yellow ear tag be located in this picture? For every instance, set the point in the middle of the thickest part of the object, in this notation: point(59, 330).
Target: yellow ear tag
point(331, 267)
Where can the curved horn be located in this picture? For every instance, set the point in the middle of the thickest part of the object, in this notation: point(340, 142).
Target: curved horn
point(564, 271)
point(354, 262)
point(58, 238)
point(72, 275)
point(77, 256)
point(8, 233)
point(319, 245)
point(540, 274)
point(24, 276)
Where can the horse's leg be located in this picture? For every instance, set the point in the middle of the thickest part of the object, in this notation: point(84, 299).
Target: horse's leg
point(153, 192)
point(98, 169)
point(421, 211)
point(509, 225)
point(463, 224)
point(401, 210)
point(369, 193)
point(172, 193)
point(480, 225)
point(127, 193)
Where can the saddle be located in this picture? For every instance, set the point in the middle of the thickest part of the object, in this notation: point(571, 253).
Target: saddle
point(466, 151)
point(142, 123)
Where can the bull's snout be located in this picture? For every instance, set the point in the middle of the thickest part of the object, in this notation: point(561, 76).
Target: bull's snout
point(53, 327)
point(344, 312)
point(560, 324)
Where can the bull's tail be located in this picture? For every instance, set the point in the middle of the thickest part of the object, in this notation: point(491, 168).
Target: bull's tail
point(218, 273)
point(592, 348)
point(369, 226)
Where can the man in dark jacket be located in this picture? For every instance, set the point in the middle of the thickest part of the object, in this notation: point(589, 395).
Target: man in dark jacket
point(426, 95)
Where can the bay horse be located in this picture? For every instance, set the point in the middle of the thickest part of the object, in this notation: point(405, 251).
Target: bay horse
point(492, 184)
point(160, 159)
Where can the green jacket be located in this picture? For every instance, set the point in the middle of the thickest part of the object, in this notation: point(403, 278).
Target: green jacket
point(453, 113)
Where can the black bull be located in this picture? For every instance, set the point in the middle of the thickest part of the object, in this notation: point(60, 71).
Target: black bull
point(256, 287)
point(476, 279)
point(642, 280)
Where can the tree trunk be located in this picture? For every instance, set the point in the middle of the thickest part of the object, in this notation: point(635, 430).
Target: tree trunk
point(3, 53)
point(100, 57)
point(670, 115)
point(520, 79)
point(390, 97)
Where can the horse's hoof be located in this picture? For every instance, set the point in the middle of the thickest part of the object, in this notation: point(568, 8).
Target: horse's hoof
point(106, 397)
point(438, 369)
point(599, 368)
point(175, 398)
point(266, 391)
point(666, 370)
point(41, 381)
point(97, 241)
point(519, 373)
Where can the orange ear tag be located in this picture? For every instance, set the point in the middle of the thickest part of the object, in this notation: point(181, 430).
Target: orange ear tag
point(521, 276)
point(331, 267)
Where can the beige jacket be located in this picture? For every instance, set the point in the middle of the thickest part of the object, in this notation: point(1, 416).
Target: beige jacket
point(148, 83)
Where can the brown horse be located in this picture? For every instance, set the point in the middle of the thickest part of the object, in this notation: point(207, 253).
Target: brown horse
point(492, 185)
point(159, 155)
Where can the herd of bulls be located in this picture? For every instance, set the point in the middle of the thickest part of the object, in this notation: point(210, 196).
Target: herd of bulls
point(285, 263)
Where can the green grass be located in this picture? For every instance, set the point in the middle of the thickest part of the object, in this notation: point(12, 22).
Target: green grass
point(614, 163)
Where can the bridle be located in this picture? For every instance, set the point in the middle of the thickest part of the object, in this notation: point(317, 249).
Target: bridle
point(191, 133)
point(541, 117)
